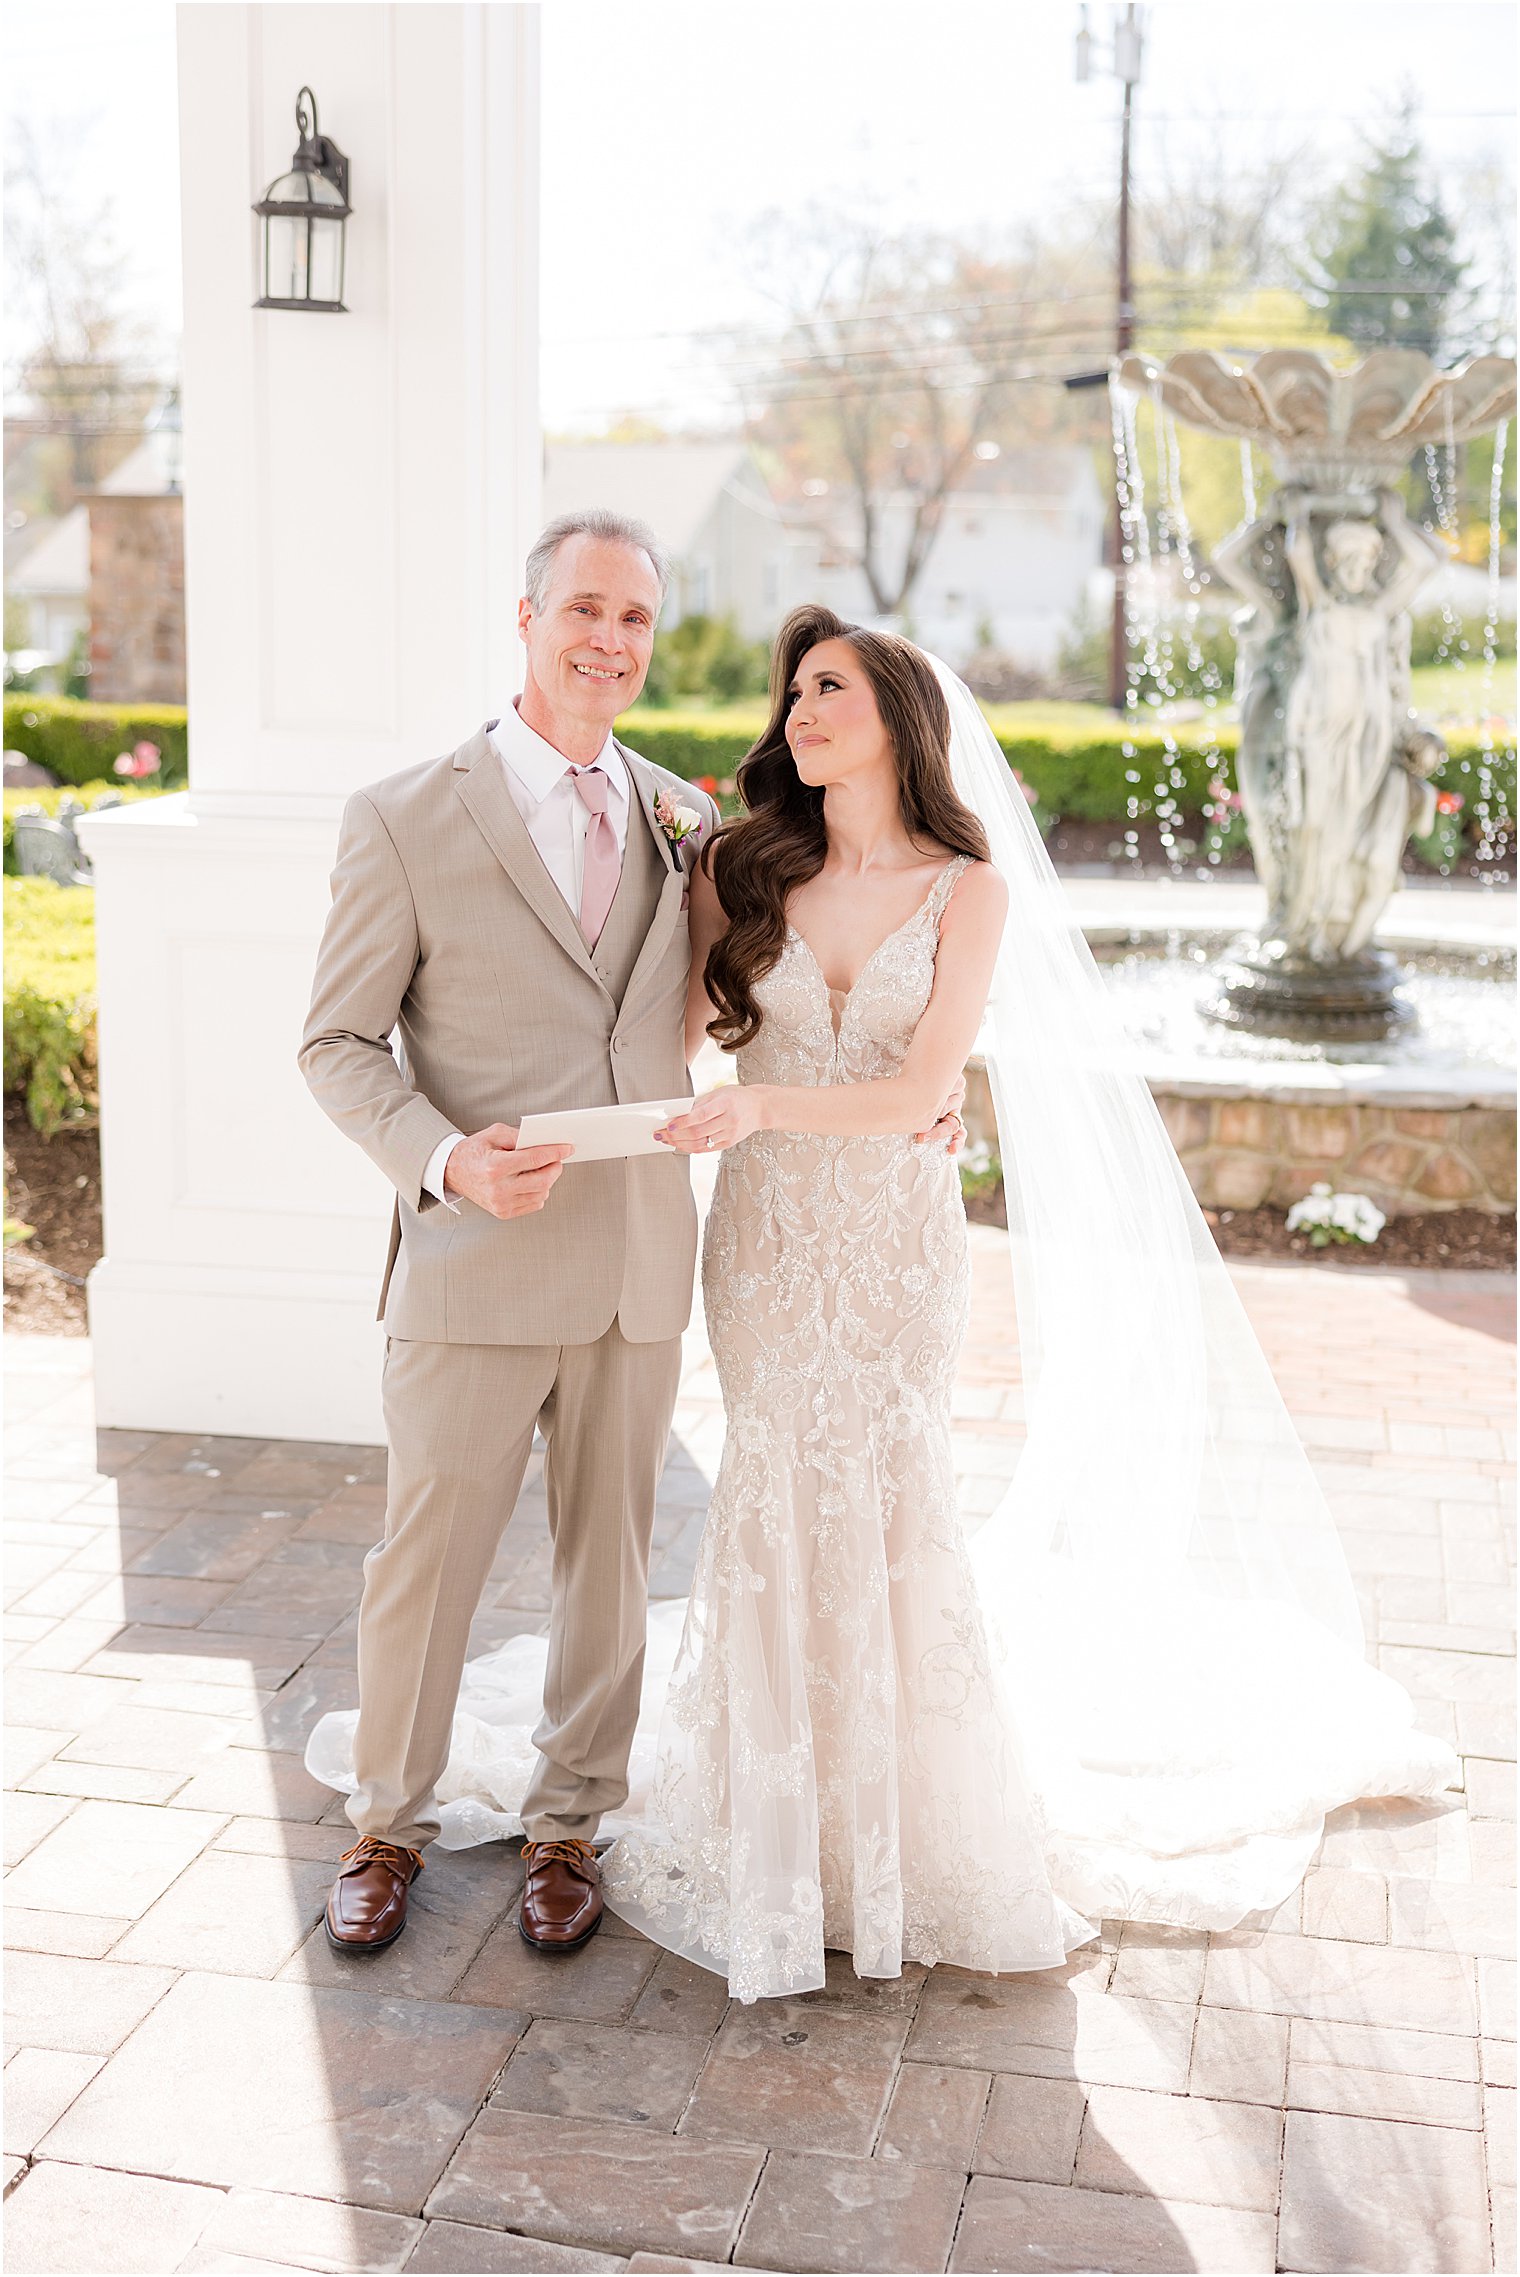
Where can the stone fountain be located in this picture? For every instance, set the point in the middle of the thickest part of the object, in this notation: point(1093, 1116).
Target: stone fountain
point(1334, 766)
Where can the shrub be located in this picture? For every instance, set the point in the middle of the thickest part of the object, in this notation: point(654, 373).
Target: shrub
point(50, 1000)
point(1078, 760)
point(706, 660)
point(79, 742)
point(89, 796)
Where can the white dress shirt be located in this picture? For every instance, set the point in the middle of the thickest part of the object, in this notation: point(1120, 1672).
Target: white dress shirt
point(539, 779)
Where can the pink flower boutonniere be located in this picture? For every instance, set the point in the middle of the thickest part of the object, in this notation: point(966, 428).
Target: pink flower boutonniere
point(682, 825)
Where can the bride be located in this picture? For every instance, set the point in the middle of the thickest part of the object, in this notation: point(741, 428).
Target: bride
point(1137, 1690)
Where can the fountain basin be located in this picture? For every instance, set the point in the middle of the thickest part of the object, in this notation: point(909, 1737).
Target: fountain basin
point(1425, 1121)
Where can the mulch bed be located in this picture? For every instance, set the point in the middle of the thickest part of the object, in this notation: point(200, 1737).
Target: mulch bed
point(53, 1185)
point(1465, 1240)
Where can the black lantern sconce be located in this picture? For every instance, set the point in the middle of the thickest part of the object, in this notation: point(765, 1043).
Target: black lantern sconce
point(304, 214)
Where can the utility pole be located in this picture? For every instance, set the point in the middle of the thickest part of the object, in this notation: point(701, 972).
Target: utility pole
point(1121, 59)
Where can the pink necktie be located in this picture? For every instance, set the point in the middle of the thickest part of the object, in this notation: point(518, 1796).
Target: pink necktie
point(603, 864)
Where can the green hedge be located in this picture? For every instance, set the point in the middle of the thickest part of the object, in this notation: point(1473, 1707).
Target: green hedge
point(50, 1000)
point(1082, 767)
point(78, 742)
point(89, 796)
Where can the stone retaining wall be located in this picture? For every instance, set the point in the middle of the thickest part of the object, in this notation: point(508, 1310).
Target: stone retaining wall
point(1240, 1152)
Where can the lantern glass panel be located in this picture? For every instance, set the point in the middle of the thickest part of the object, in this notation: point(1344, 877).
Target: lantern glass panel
point(286, 262)
point(325, 276)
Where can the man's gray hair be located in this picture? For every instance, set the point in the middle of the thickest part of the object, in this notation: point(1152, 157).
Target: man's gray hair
point(591, 522)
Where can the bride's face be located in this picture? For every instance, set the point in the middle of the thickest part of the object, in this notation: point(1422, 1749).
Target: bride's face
point(833, 727)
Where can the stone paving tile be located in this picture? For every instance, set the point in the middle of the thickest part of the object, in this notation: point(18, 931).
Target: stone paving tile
point(234, 1914)
point(681, 1998)
point(284, 1838)
point(78, 2007)
point(255, 1785)
point(287, 1601)
point(598, 2071)
point(824, 2214)
point(28, 1818)
point(1368, 2194)
point(1030, 2226)
point(1370, 2047)
point(208, 1545)
point(599, 1984)
point(104, 1782)
point(151, 1739)
point(1385, 2095)
point(110, 1858)
point(1031, 2130)
point(934, 2117)
point(84, 1936)
point(1057, 2031)
point(1181, 2146)
point(1339, 1902)
point(161, 1600)
point(1309, 1976)
point(774, 2078)
point(308, 2233)
point(202, 1655)
point(86, 2220)
point(613, 2188)
point(1158, 1963)
point(1239, 2057)
point(286, 1723)
point(329, 2088)
point(40, 2084)
point(458, 2249)
point(1445, 1918)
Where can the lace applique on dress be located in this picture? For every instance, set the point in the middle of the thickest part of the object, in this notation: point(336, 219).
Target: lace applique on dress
point(836, 1764)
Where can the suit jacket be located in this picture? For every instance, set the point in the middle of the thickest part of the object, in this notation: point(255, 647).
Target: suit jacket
point(454, 989)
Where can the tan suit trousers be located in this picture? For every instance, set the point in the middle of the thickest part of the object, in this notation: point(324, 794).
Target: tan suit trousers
point(460, 1421)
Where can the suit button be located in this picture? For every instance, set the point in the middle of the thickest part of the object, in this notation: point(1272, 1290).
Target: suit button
point(617, 1043)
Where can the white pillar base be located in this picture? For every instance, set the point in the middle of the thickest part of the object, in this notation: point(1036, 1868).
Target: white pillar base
point(254, 1355)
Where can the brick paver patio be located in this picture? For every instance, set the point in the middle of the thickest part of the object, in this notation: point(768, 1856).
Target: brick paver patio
point(195, 2082)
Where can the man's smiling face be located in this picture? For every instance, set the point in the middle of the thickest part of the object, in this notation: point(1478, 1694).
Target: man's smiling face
point(590, 642)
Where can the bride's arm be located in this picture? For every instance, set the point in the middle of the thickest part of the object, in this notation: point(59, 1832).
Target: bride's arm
point(706, 921)
point(905, 1103)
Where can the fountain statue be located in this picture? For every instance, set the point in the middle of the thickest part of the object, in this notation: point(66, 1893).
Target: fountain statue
point(1333, 763)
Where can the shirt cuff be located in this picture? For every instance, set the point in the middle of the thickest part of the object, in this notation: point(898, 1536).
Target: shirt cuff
point(432, 1176)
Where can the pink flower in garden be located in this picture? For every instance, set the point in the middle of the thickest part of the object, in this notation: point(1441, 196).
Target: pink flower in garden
point(142, 759)
point(1449, 802)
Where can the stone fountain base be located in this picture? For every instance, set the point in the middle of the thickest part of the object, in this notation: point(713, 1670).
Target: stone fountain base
point(1242, 1149)
point(1262, 987)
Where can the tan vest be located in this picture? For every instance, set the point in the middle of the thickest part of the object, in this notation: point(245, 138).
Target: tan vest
point(447, 929)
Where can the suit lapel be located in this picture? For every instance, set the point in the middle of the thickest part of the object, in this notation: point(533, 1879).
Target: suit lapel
point(483, 788)
point(668, 907)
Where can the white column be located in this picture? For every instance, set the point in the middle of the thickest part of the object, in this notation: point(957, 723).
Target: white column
point(360, 491)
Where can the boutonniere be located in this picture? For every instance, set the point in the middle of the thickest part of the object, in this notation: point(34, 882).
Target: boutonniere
point(681, 824)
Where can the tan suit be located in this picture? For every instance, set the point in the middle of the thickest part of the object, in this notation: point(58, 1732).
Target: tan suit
point(447, 932)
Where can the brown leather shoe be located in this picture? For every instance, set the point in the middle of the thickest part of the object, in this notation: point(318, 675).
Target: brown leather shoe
point(366, 1906)
point(562, 1896)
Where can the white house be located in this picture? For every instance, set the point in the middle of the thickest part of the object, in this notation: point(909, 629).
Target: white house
point(48, 591)
point(734, 555)
point(1010, 567)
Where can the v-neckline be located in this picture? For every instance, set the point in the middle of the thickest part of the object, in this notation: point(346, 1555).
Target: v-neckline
point(845, 994)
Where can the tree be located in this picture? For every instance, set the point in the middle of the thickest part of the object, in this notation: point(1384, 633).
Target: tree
point(900, 353)
point(1386, 261)
point(86, 370)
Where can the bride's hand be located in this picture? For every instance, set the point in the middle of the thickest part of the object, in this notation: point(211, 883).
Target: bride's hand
point(719, 1118)
point(948, 1127)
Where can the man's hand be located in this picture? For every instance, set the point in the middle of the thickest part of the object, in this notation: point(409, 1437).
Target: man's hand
point(493, 1171)
point(948, 1126)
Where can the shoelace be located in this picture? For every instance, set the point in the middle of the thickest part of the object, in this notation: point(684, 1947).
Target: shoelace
point(570, 1852)
point(369, 1849)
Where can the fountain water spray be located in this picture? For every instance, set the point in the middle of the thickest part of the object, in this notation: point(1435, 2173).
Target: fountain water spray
point(1334, 767)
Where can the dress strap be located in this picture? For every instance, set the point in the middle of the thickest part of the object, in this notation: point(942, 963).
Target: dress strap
point(949, 878)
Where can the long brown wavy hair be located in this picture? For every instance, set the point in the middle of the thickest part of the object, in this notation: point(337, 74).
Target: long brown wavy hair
point(758, 862)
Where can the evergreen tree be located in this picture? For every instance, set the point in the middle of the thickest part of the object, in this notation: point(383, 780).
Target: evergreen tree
point(1386, 263)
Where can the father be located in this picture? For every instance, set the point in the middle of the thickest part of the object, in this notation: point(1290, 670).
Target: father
point(514, 913)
